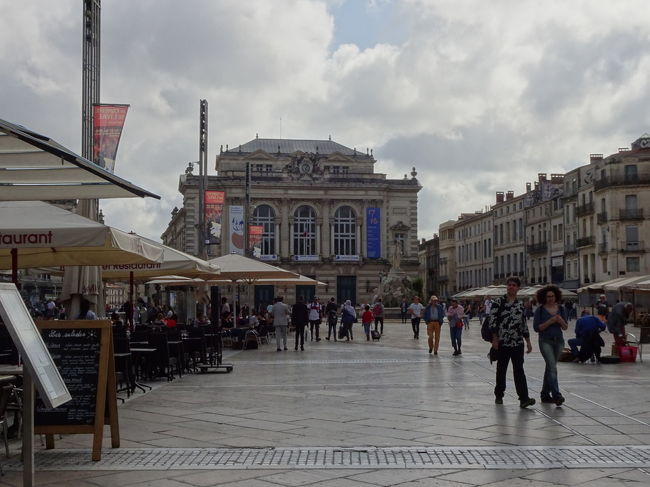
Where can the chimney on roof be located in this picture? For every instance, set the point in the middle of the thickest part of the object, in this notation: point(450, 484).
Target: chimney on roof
point(536, 185)
point(257, 136)
point(528, 185)
point(330, 138)
point(541, 176)
point(510, 195)
point(595, 157)
point(499, 196)
point(557, 178)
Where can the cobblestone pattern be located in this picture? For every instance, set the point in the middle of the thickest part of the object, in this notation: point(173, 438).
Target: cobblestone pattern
point(344, 458)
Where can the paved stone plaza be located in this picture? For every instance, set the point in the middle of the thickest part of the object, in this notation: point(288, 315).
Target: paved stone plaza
point(368, 414)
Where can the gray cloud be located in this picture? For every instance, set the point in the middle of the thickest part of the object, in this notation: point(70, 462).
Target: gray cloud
point(479, 96)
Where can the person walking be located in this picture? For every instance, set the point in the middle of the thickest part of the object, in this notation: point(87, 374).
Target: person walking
point(487, 306)
point(433, 316)
point(549, 321)
point(300, 319)
point(366, 319)
point(403, 309)
point(315, 315)
point(509, 331)
point(378, 315)
point(280, 314)
point(415, 310)
point(456, 315)
point(330, 312)
point(348, 317)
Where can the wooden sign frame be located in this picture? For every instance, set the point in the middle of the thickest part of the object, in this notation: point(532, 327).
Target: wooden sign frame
point(106, 400)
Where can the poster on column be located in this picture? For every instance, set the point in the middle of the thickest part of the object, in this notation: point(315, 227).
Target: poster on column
point(236, 231)
point(214, 201)
point(373, 235)
point(255, 239)
point(108, 121)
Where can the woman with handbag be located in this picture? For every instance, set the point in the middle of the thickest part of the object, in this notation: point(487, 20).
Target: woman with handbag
point(455, 314)
point(549, 321)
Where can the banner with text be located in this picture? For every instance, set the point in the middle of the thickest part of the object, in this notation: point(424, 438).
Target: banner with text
point(255, 239)
point(108, 121)
point(236, 231)
point(214, 201)
point(373, 233)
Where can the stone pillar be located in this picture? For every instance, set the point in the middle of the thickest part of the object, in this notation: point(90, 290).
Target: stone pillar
point(285, 230)
point(326, 223)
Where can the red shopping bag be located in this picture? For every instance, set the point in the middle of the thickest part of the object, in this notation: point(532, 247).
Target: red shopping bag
point(627, 353)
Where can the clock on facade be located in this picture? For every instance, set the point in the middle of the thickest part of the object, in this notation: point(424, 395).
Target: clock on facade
point(305, 167)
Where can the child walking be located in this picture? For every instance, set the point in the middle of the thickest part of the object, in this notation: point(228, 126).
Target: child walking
point(367, 318)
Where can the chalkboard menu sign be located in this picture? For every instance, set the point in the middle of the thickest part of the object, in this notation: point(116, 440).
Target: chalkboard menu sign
point(76, 354)
point(82, 351)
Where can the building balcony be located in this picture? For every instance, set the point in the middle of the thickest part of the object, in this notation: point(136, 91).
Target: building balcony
point(585, 241)
point(585, 210)
point(601, 218)
point(570, 248)
point(538, 248)
point(622, 180)
point(633, 246)
point(631, 214)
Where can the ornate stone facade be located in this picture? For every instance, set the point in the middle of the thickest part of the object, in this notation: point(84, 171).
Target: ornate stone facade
point(323, 210)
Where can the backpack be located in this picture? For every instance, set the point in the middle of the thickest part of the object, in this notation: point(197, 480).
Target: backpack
point(251, 340)
point(486, 334)
point(376, 311)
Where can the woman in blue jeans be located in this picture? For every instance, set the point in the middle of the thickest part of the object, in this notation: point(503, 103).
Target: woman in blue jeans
point(549, 320)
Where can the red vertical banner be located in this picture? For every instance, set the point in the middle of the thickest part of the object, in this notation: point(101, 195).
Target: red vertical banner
point(214, 201)
point(255, 239)
point(108, 121)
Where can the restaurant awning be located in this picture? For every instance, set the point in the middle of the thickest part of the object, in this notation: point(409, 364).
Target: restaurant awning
point(35, 167)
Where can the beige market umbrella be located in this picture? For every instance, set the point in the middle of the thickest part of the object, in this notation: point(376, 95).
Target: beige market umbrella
point(37, 234)
point(236, 267)
point(176, 281)
point(239, 269)
point(172, 261)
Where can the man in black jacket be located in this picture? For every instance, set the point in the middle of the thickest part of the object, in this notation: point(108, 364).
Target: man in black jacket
point(300, 319)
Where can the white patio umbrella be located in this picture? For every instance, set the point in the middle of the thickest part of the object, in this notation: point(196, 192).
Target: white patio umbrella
point(37, 234)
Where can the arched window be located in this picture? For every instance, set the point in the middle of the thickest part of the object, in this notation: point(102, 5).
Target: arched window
point(345, 231)
point(304, 231)
point(265, 216)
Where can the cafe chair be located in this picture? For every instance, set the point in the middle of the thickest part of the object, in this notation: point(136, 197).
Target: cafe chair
point(161, 360)
point(5, 397)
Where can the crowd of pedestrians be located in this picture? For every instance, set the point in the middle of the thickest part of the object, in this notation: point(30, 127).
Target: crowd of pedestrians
point(504, 319)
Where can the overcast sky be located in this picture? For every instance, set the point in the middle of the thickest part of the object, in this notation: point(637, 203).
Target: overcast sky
point(479, 96)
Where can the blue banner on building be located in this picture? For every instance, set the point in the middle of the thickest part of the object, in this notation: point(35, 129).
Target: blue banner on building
point(373, 236)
